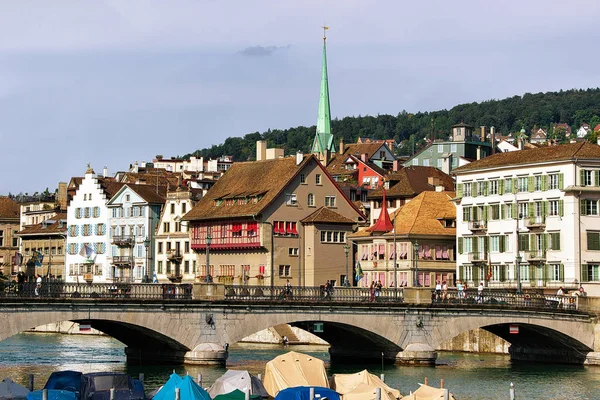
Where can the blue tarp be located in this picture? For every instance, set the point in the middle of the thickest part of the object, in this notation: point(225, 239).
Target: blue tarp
point(188, 389)
point(64, 380)
point(54, 395)
point(303, 393)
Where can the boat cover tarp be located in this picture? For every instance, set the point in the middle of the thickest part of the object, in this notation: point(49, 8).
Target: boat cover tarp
point(188, 389)
point(294, 369)
point(10, 389)
point(364, 391)
point(426, 392)
point(53, 395)
point(303, 393)
point(236, 395)
point(65, 380)
point(97, 385)
point(345, 383)
point(241, 380)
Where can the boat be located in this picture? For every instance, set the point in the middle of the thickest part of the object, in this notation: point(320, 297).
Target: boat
point(303, 393)
point(294, 369)
point(97, 386)
point(10, 390)
point(61, 385)
point(188, 389)
point(348, 385)
point(238, 380)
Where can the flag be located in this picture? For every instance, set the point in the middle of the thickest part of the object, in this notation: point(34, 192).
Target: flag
point(38, 258)
point(359, 272)
point(86, 251)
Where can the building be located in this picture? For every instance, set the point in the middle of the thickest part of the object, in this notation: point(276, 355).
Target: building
point(323, 144)
point(271, 220)
point(9, 242)
point(538, 136)
point(403, 185)
point(531, 217)
point(175, 261)
point(87, 237)
point(133, 216)
point(583, 130)
point(447, 154)
point(34, 211)
point(419, 238)
point(48, 238)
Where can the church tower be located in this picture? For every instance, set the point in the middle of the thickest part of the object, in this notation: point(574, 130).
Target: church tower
point(323, 144)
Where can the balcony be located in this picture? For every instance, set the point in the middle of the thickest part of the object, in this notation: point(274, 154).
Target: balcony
point(174, 256)
point(535, 256)
point(123, 261)
point(478, 257)
point(538, 222)
point(123, 240)
point(478, 226)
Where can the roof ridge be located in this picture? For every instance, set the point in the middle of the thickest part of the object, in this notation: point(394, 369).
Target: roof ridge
point(414, 221)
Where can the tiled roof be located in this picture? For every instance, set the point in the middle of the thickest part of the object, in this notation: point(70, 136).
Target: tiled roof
point(412, 180)
point(9, 208)
point(337, 165)
point(109, 186)
point(150, 193)
point(49, 226)
point(362, 148)
point(561, 152)
point(150, 177)
point(265, 179)
point(422, 216)
point(325, 215)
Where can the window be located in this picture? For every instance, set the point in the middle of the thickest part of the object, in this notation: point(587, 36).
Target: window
point(127, 197)
point(285, 270)
point(302, 179)
point(166, 227)
point(318, 179)
point(172, 208)
point(440, 163)
point(493, 187)
point(538, 209)
point(183, 208)
point(552, 181)
point(293, 251)
point(426, 162)
point(522, 183)
point(495, 243)
point(311, 200)
point(589, 207)
point(537, 182)
point(160, 267)
point(78, 212)
point(468, 244)
point(593, 273)
point(468, 189)
point(467, 213)
point(508, 211)
point(440, 148)
point(553, 207)
point(186, 267)
point(523, 210)
point(593, 240)
point(587, 178)
point(86, 212)
point(453, 148)
point(96, 212)
point(523, 242)
point(508, 185)
point(329, 201)
point(160, 247)
point(333, 237)
point(554, 241)
point(415, 161)
point(291, 199)
point(495, 211)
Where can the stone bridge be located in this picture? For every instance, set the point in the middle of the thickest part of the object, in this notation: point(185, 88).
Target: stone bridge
point(196, 331)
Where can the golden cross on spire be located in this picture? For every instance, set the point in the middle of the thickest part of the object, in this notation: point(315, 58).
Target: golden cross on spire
point(325, 28)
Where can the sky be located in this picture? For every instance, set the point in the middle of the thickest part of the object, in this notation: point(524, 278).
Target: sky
point(111, 82)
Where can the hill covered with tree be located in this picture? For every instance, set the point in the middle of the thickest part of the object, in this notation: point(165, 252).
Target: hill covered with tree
point(540, 110)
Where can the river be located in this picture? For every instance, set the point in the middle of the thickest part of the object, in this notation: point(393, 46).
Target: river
point(468, 376)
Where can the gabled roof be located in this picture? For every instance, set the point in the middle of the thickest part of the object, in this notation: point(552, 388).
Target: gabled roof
point(412, 180)
point(422, 216)
point(53, 225)
point(563, 152)
point(151, 194)
point(109, 186)
point(9, 208)
point(326, 216)
point(337, 165)
point(370, 149)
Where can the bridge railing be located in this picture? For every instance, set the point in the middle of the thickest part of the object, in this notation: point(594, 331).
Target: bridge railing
point(317, 293)
point(67, 290)
point(498, 297)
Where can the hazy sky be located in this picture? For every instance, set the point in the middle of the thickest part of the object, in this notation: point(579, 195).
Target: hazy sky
point(112, 82)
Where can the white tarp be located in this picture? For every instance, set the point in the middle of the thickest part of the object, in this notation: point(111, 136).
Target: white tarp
point(428, 393)
point(12, 390)
point(346, 383)
point(241, 380)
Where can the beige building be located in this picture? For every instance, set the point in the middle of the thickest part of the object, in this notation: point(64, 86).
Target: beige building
point(9, 226)
point(268, 221)
point(419, 237)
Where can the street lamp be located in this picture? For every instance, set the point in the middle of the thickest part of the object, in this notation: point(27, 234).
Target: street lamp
point(416, 251)
point(518, 257)
point(346, 250)
point(208, 278)
point(149, 273)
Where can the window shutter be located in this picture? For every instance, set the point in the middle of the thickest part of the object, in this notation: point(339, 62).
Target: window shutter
point(590, 240)
point(460, 245)
point(561, 208)
point(557, 239)
point(502, 273)
point(515, 185)
point(501, 186)
point(561, 272)
point(475, 273)
point(459, 190)
point(544, 182)
point(561, 181)
point(514, 210)
point(502, 243)
point(485, 212)
point(487, 188)
point(530, 183)
point(596, 178)
point(486, 244)
point(502, 213)
point(582, 177)
point(531, 209)
point(545, 208)
point(544, 241)
point(582, 207)
point(461, 272)
point(546, 272)
point(584, 273)
point(475, 245)
point(532, 243)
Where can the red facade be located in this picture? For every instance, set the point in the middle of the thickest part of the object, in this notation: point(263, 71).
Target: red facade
point(225, 236)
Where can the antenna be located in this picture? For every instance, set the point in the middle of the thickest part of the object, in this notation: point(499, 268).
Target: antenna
point(325, 29)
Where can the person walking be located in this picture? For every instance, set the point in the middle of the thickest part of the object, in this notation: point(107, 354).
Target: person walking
point(284, 341)
point(38, 284)
point(438, 291)
point(480, 293)
point(378, 287)
point(372, 292)
point(288, 289)
point(461, 291)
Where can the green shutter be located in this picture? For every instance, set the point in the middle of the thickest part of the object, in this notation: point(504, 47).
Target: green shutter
point(584, 273)
point(544, 182)
point(515, 185)
point(475, 273)
point(561, 272)
point(561, 208)
point(544, 242)
point(561, 181)
point(545, 208)
point(557, 236)
point(596, 178)
point(501, 186)
point(502, 273)
point(514, 210)
point(582, 209)
point(486, 244)
point(531, 272)
point(459, 190)
point(582, 177)
point(485, 213)
point(460, 245)
point(532, 243)
point(461, 272)
point(530, 183)
point(531, 209)
point(502, 213)
point(546, 272)
point(487, 188)
point(502, 243)
point(475, 245)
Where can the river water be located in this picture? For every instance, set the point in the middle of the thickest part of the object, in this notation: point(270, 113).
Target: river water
point(468, 376)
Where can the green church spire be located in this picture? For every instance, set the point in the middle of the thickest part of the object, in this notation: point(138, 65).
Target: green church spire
point(323, 137)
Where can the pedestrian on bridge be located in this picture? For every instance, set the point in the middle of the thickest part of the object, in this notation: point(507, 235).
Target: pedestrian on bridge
point(38, 284)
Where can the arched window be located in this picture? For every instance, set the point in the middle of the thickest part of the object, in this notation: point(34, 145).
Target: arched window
point(311, 200)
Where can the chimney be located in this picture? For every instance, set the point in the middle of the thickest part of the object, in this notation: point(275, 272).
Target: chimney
point(364, 157)
point(326, 157)
point(520, 143)
point(446, 163)
point(299, 157)
point(395, 165)
point(261, 150)
point(62, 196)
point(493, 137)
point(479, 152)
point(136, 167)
point(105, 172)
point(341, 145)
point(483, 133)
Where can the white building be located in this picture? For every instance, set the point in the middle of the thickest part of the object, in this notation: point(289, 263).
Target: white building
point(549, 197)
point(174, 259)
point(134, 212)
point(87, 219)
